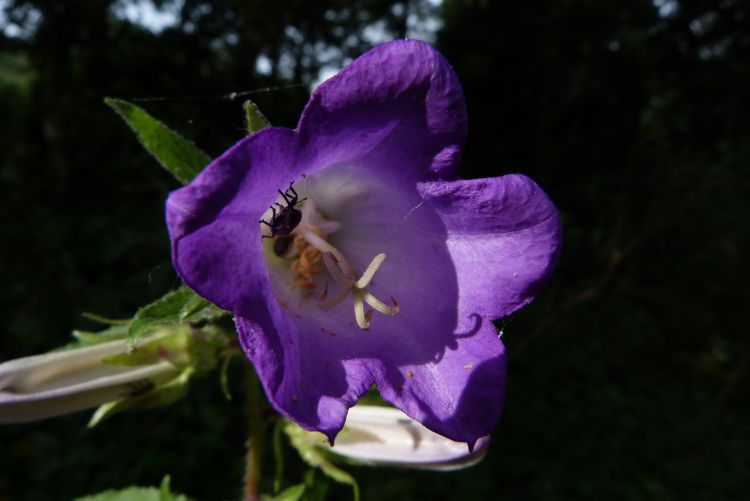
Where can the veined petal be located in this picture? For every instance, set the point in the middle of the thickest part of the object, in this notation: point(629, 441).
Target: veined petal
point(458, 394)
point(213, 221)
point(405, 85)
point(504, 236)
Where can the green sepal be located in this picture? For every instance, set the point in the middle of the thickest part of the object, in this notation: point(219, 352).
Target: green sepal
point(224, 377)
point(170, 343)
point(104, 320)
point(309, 446)
point(254, 119)
point(179, 306)
point(207, 346)
point(165, 394)
point(293, 493)
point(175, 153)
point(163, 493)
point(87, 338)
point(278, 454)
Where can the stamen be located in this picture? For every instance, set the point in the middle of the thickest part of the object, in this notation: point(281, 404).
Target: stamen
point(380, 305)
point(312, 247)
point(364, 280)
point(340, 296)
point(358, 290)
point(320, 244)
point(333, 269)
point(359, 311)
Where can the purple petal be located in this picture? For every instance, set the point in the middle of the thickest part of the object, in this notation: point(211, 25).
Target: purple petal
point(459, 394)
point(504, 235)
point(213, 221)
point(404, 86)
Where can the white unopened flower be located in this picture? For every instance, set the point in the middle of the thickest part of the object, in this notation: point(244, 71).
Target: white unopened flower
point(57, 383)
point(384, 436)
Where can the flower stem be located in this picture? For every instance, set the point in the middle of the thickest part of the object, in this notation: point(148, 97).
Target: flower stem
point(253, 457)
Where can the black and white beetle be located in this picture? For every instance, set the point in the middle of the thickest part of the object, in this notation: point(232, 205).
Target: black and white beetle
point(283, 223)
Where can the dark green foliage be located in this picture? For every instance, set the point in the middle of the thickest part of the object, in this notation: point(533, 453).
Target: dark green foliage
point(176, 154)
point(163, 493)
point(627, 378)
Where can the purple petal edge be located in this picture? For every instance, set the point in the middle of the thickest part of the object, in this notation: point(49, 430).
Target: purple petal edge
point(504, 235)
point(407, 80)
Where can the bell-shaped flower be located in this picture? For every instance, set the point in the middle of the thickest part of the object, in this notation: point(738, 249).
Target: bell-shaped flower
point(351, 256)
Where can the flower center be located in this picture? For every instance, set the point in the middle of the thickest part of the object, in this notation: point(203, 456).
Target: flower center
point(310, 255)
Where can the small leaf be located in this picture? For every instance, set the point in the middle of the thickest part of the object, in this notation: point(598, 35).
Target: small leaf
point(181, 305)
point(308, 445)
point(165, 491)
point(127, 494)
point(254, 119)
point(293, 493)
point(175, 153)
point(137, 494)
point(165, 310)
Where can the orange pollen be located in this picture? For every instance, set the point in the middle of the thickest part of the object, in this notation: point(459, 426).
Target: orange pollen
point(307, 263)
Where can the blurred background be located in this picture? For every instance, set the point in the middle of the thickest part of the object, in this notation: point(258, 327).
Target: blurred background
point(628, 376)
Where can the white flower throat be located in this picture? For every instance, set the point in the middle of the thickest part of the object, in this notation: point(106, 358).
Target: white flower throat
point(309, 255)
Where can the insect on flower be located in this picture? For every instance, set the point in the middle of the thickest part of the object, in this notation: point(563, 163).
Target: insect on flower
point(283, 223)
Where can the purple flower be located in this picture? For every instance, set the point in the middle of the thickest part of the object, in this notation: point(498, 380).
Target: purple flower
point(395, 270)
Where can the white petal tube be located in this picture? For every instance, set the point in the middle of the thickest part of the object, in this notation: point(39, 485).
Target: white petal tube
point(52, 384)
point(384, 436)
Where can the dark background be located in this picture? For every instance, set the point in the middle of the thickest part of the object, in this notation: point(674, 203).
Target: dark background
point(628, 376)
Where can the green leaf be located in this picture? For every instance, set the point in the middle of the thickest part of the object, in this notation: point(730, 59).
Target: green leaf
point(127, 494)
point(179, 306)
point(308, 446)
point(293, 493)
point(254, 119)
point(175, 153)
point(164, 493)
